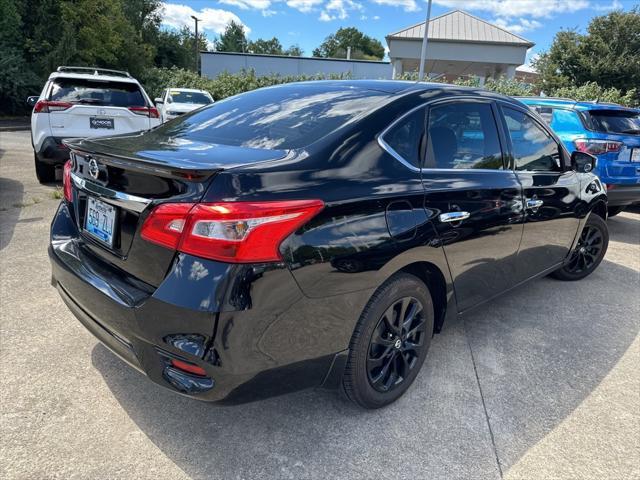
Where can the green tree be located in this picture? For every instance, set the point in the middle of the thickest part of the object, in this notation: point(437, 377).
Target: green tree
point(294, 51)
point(608, 54)
point(174, 48)
point(269, 47)
point(233, 39)
point(362, 46)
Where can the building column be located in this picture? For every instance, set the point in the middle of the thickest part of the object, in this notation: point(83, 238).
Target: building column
point(511, 72)
point(397, 68)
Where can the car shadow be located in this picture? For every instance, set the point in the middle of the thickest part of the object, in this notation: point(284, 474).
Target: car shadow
point(11, 194)
point(537, 353)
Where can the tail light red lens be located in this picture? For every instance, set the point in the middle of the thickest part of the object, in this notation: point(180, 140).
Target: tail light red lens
point(151, 112)
point(66, 181)
point(188, 367)
point(235, 232)
point(597, 147)
point(46, 106)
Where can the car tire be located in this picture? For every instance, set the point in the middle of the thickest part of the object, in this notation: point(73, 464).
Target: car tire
point(589, 251)
point(44, 172)
point(613, 211)
point(385, 355)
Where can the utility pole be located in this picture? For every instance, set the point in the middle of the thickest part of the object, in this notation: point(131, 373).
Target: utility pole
point(196, 20)
point(423, 54)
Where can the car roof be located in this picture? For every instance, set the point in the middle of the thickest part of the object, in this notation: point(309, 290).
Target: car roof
point(87, 76)
point(187, 90)
point(574, 104)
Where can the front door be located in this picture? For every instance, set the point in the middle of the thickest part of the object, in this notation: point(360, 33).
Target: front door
point(551, 193)
point(477, 202)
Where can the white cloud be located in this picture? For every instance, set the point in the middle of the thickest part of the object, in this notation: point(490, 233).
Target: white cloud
point(305, 6)
point(615, 5)
point(248, 4)
point(520, 26)
point(376, 17)
point(338, 9)
point(518, 8)
point(408, 5)
point(176, 15)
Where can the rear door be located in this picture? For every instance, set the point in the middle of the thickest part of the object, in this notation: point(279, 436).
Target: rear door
point(97, 107)
point(551, 192)
point(477, 201)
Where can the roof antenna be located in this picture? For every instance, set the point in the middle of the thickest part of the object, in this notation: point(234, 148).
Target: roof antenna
point(423, 54)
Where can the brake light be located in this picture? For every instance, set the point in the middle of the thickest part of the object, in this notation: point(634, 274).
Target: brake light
point(235, 232)
point(151, 112)
point(46, 106)
point(597, 147)
point(66, 181)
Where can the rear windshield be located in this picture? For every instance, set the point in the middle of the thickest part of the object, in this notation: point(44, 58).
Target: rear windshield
point(189, 97)
point(285, 117)
point(95, 92)
point(612, 121)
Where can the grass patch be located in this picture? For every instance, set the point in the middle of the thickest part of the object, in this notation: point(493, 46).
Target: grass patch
point(27, 203)
point(57, 194)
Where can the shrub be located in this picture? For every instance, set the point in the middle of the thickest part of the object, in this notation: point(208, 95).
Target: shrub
point(224, 85)
point(591, 91)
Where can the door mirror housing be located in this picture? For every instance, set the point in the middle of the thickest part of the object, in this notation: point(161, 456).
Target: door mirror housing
point(583, 162)
point(158, 101)
point(31, 101)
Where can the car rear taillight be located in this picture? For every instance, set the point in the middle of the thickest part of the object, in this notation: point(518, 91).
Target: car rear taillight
point(46, 106)
point(151, 112)
point(597, 147)
point(66, 181)
point(236, 232)
point(188, 367)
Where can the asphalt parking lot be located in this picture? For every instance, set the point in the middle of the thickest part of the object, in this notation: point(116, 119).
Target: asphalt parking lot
point(541, 384)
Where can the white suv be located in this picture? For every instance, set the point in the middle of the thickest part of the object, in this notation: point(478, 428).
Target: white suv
point(85, 102)
point(176, 101)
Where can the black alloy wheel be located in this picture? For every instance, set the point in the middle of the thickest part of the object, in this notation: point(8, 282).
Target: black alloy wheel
point(588, 252)
point(390, 342)
point(396, 343)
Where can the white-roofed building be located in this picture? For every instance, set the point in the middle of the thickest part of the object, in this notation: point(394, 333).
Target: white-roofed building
point(459, 44)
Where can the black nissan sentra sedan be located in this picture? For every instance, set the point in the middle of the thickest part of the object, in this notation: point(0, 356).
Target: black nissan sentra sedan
point(316, 234)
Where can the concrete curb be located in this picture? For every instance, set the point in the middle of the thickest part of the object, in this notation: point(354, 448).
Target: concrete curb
point(15, 128)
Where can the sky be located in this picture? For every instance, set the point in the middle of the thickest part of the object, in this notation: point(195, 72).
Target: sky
point(308, 22)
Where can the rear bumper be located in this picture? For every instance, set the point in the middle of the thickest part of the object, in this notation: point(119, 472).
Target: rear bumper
point(621, 195)
point(53, 151)
point(249, 327)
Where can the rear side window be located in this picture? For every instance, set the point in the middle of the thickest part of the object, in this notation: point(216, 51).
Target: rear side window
point(533, 148)
point(560, 119)
point(96, 92)
point(463, 135)
point(405, 137)
point(615, 121)
point(284, 117)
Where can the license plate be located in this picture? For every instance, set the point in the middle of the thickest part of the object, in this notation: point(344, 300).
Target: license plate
point(635, 155)
point(97, 122)
point(100, 221)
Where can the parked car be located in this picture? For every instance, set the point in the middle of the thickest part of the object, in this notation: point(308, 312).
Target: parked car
point(84, 102)
point(177, 101)
point(316, 234)
point(608, 131)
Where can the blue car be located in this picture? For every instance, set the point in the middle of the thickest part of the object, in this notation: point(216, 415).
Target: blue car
point(608, 131)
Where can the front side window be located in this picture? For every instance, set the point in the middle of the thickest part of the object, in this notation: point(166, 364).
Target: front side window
point(406, 135)
point(533, 148)
point(463, 136)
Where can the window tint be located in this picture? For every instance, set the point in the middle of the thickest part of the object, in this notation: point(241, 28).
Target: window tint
point(283, 117)
point(533, 148)
point(405, 137)
point(616, 121)
point(189, 97)
point(463, 135)
point(93, 92)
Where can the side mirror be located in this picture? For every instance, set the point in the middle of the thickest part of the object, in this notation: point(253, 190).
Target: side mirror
point(31, 101)
point(158, 101)
point(583, 162)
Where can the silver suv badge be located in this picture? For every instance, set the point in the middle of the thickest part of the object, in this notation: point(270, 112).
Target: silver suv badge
point(94, 171)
